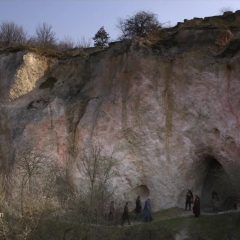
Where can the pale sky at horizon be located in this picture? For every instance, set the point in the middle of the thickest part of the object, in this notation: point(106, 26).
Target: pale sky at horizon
point(83, 18)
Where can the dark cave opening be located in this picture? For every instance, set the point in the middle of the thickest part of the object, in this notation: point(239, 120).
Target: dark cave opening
point(142, 191)
point(218, 192)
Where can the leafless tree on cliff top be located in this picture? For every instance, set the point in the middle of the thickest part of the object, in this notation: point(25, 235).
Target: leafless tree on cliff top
point(225, 9)
point(83, 43)
point(66, 44)
point(45, 36)
point(11, 33)
point(142, 24)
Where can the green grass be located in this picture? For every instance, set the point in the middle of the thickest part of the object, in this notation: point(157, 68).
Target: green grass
point(165, 226)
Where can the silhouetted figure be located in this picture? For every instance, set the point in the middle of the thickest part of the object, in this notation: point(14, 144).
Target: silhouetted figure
point(189, 200)
point(138, 208)
point(215, 201)
point(215, 195)
point(196, 206)
point(111, 211)
point(147, 211)
point(125, 215)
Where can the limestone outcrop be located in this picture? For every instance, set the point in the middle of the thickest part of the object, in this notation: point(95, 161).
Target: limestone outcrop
point(167, 108)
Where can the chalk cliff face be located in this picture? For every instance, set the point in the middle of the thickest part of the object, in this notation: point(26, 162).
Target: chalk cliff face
point(168, 108)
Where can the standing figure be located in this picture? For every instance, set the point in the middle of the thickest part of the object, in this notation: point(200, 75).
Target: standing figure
point(147, 211)
point(125, 215)
point(138, 208)
point(189, 200)
point(196, 206)
point(215, 201)
point(111, 211)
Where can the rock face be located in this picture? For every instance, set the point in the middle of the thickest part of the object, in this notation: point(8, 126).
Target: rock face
point(169, 110)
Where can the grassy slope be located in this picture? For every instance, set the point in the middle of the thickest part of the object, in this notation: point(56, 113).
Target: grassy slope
point(166, 226)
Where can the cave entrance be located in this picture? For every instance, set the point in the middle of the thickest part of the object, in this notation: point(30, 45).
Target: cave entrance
point(218, 192)
point(141, 191)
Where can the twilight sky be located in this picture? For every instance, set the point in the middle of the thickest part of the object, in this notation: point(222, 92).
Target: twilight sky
point(82, 18)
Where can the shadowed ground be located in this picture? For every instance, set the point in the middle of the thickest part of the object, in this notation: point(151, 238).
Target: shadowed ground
point(171, 224)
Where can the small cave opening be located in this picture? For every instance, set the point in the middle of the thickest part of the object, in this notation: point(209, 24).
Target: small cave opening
point(48, 83)
point(218, 192)
point(140, 190)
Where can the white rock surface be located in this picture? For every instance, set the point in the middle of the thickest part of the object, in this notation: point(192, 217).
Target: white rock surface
point(161, 110)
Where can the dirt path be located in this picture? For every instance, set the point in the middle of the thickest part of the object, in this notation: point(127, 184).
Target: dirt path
point(181, 215)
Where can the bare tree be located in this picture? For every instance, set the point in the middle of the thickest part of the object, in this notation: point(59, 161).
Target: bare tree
point(45, 36)
point(11, 33)
point(34, 189)
point(83, 43)
point(98, 171)
point(34, 179)
point(225, 9)
point(29, 166)
point(142, 24)
point(66, 43)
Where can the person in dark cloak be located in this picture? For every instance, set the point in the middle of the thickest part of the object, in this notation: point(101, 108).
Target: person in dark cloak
point(125, 215)
point(215, 201)
point(111, 211)
point(138, 208)
point(196, 206)
point(215, 195)
point(147, 211)
point(189, 200)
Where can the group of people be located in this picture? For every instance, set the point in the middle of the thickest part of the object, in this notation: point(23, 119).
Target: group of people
point(145, 212)
point(192, 200)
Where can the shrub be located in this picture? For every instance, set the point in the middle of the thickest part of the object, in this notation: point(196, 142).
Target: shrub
point(33, 195)
point(142, 24)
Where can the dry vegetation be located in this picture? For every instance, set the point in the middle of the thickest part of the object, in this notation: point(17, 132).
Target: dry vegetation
point(13, 38)
point(40, 191)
